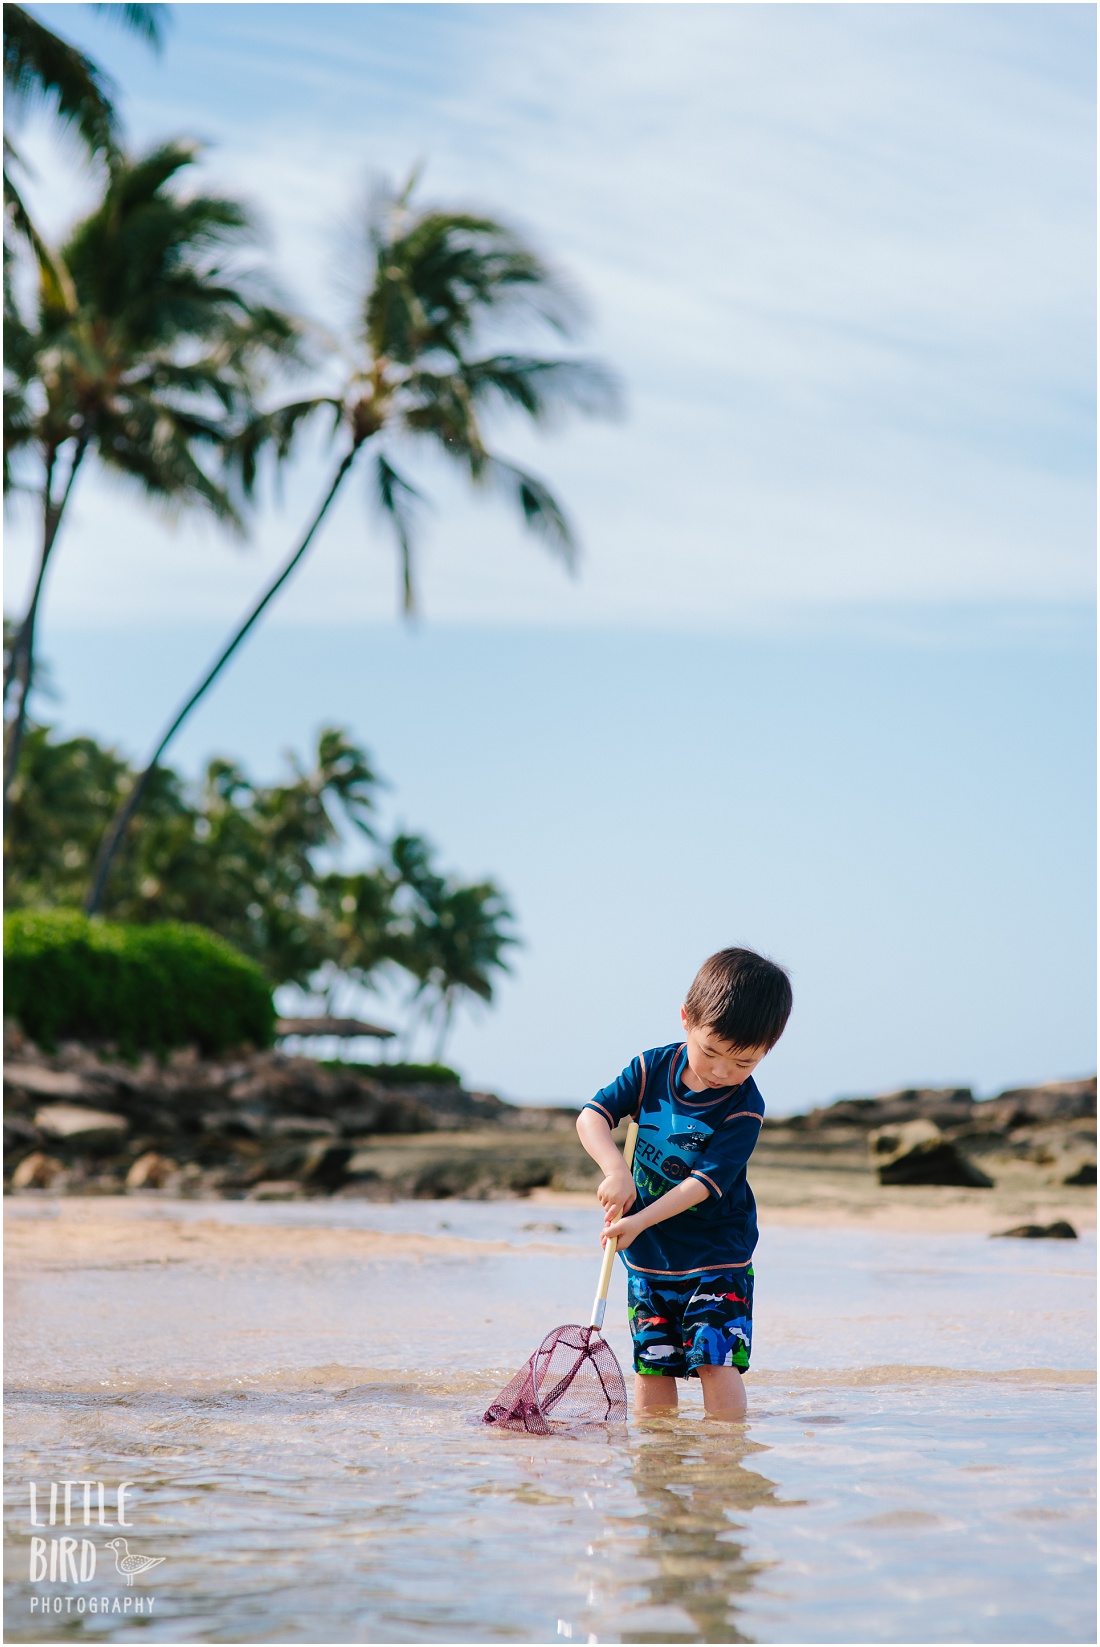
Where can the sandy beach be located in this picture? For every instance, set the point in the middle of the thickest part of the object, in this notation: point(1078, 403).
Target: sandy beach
point(80, 1232)
point(149, 1228)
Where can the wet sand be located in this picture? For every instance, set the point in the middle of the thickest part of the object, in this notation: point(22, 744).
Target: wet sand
point(151, 1228)
point(88, 1232)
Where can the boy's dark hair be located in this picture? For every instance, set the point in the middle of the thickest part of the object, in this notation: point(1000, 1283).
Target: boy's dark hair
point(743, 998)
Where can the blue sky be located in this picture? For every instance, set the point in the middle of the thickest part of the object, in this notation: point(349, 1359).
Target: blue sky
point(823, 682)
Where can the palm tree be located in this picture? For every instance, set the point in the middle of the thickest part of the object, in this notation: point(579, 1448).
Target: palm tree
point(147, 359)
point(456, 937)
point(41, 67)
point(242, 858)
point(438, 282)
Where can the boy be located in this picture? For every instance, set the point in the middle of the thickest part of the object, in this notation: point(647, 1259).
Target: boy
point(688, 1247)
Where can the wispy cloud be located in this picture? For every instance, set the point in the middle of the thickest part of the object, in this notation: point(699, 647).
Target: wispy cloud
point(841, 254)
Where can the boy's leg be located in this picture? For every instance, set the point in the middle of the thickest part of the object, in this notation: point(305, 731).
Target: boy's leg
point(718, 1336)
point(724, 1393)
point(655, 1393)
point(654, 1313)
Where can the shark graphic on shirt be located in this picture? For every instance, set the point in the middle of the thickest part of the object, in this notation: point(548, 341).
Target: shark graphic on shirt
point(669, 1142)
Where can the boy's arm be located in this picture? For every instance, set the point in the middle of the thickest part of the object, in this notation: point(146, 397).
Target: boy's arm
point(685, 1195)
point(617, 1191)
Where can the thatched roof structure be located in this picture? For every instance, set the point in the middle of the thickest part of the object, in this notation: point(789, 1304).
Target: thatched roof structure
point(345, 1028)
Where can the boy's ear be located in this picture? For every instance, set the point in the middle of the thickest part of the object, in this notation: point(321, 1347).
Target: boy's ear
point(684, 1016)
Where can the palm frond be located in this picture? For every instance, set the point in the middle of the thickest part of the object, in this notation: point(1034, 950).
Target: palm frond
point(438, 406)
point(540, 509)
point(146, 21)
point(412, 859)
point(156, 445)
point(344, 769)
point(542, 388)
point(440, 275)
point(56, 282)
point(275, 432)
point(398, 498)
point(41, 67)
point(140, 180)
point(466, 265)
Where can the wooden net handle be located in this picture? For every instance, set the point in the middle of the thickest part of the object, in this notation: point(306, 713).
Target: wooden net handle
point(600, 1302)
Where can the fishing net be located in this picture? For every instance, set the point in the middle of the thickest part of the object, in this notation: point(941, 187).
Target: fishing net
point(573, 1377)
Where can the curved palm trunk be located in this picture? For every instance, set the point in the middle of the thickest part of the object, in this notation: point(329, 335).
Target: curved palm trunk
point(448, 1006)
point(21, 663)
point(113, 838)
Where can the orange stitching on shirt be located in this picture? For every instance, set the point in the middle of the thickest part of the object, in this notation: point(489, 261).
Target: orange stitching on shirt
point(592, 1104)
point(699, 1269)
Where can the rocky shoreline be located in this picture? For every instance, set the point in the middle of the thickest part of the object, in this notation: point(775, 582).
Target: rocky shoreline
point(269, 1126)
point(265, 1125)
point(947, 1137)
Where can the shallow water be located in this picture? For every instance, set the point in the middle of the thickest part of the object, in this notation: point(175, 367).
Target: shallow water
point(917, 1465)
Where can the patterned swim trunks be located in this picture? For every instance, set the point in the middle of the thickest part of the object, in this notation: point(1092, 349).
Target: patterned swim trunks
point(701, 1321)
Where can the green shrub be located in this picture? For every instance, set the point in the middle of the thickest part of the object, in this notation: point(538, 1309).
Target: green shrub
point(394, 1075)
point(146, 988)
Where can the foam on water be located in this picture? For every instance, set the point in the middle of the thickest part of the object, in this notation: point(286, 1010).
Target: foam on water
point(916, 1466)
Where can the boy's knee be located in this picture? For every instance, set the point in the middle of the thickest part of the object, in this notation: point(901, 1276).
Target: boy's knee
point(655, 1390)
point(724, 1393)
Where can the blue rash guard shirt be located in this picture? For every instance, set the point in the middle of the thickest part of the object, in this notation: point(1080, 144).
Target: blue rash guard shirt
point(684, 1134)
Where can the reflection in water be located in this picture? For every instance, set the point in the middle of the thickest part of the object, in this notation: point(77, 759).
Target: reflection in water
point(694, 1489)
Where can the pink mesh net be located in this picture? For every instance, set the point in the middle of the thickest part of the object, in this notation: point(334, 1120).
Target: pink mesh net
point(573, 1377)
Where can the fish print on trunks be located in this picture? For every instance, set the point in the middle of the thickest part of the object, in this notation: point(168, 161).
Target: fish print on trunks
point(702, 1321)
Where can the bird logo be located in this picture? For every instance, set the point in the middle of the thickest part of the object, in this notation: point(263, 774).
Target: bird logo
point(131, 1566)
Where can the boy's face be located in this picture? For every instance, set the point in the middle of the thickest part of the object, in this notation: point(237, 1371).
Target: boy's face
point(715, 1062)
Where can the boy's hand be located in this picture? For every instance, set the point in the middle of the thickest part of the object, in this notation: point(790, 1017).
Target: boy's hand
point(623, 1231)
point(617, 1192)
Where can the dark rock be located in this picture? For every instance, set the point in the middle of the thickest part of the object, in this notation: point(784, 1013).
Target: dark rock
point(240, 1123)
point(288, 1161)
point(357, 1119)
point(444, 1179)
point(947, 1106)
point(326, 1166)
point(406, 1114)
point(941, 1163)
point(916, 1152)
point(366, 1181)
point(19, 1130)
point(534, 1176)
point(954, 1109)
point(1030, 1106)
point(1060, 1230)
point(1085, 1174)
